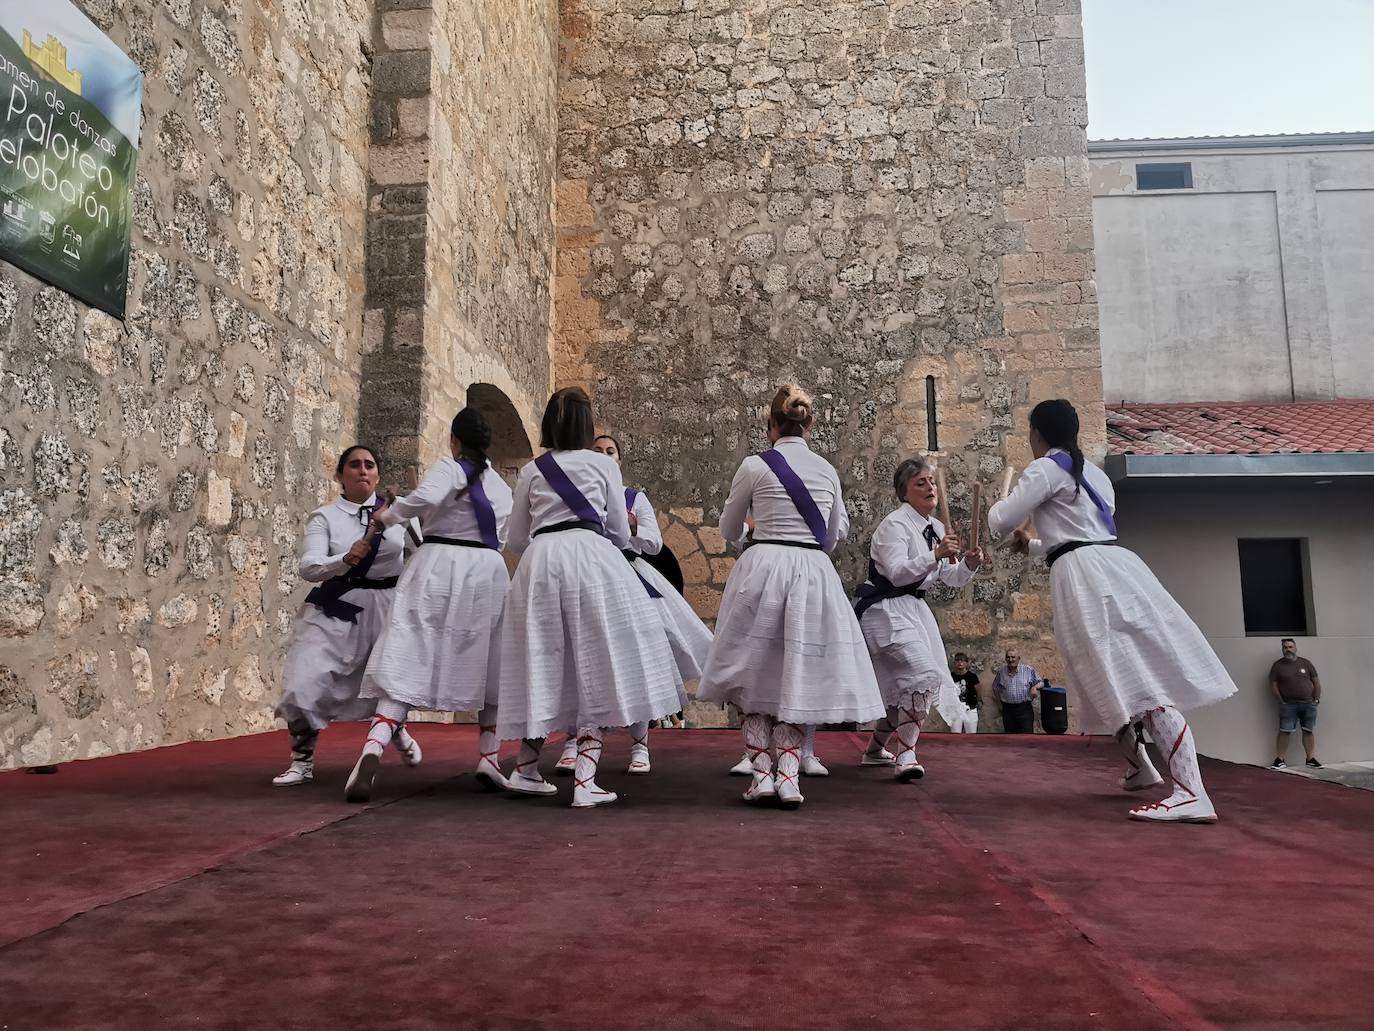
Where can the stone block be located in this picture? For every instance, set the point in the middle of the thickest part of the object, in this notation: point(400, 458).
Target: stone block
point(405, 72)
point(705, 600)
point(407, 30)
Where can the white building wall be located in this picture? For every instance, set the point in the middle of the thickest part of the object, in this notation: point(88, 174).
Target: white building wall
point(1252, 286)
point(1189, 539)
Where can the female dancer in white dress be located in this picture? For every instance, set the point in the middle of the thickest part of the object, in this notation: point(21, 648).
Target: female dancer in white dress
point(342, 617)
point(439, 649)
point(1133, 656)
point(788, 650)
point(582, 644)
point(910, 552)
point(687, 634)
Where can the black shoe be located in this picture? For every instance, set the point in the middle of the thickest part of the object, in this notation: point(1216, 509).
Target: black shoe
point(1314, 764)
point(1278, 764)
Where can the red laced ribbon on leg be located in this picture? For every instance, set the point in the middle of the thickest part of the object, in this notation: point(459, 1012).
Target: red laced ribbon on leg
point(793, 750)
point(489, 756)
point(593, 756)
point(395, 725)
point(524, 764)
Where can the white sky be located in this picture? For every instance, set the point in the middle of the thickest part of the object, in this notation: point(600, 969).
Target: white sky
point(1228, 67)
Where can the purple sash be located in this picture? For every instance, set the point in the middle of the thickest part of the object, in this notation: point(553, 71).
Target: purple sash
point(631, 496)
point(481, 504)
point(796, 490)
point(564, 488)
point(1064, 462)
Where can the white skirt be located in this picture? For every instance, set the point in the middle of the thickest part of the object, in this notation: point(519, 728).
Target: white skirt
point(582, 644)
point(324, 666)
point(1129, 647)
point(440, 647)
point(688, 636)
point(787, 643)
point(909, 657)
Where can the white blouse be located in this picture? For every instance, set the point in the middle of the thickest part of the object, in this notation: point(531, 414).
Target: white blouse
point(444, 507)
point(1045, 493)
point(536, 504)
point(756, 489)
point(902, 555)
point(332, 530)
point(647, 539)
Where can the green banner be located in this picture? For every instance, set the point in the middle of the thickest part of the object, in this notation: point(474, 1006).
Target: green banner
point(68, 148)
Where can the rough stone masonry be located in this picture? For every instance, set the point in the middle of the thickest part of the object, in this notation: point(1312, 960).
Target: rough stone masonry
point(866, 197)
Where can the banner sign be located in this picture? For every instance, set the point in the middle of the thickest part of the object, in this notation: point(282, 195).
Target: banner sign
point(72, 102)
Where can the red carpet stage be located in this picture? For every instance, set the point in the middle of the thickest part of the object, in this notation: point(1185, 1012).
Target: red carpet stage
point(177, 888)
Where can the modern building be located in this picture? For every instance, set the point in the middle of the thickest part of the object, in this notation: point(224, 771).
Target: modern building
point(1234, 280)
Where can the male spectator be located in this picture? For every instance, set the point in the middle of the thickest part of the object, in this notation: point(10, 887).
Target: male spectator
point(967, 682)
point(1295, 684)
point(1017, 687)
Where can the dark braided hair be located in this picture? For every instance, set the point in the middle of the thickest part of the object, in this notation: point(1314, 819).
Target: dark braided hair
point(472, 431)
point(567, 424)
point(1057, 423)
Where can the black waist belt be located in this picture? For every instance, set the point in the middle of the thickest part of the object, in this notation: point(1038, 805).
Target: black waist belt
point(456, 542)
point(808, 545)
point(630, 556)
point(1052, 557)
point(328, 596)
point(572, 524)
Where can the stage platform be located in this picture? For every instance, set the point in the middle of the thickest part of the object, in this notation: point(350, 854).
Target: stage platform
point(178, 889)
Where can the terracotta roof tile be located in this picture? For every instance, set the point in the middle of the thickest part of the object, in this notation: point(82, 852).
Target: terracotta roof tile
point(1241, 428)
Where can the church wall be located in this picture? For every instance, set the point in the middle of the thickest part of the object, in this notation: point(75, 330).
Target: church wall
point(855, 196)
point(155, 474)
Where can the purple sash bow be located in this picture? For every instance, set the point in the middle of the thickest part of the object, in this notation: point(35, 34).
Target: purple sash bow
point(796, 490)
point(1064, 462)
point(565, 489)
point(481, 504)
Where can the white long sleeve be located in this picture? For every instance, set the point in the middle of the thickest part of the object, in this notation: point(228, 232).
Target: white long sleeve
point(318, 563)
point(1046, 494)
point(521, 515)
point(648, 538)
point(441, 481)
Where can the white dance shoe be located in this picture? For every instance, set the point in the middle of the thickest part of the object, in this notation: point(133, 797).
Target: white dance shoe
point(489, 775)
point(789, 795)
point(1180, 807)
point(907, 772)
point(1142, 779)
point(523, 785)
point(743, 768)
point(882, 757)
point(359, 786)
point(585, 796)
point(567, 762)
point(813, 767)
point(639, 762)
point(297, 773)
point(762, 790)
point(408, 747)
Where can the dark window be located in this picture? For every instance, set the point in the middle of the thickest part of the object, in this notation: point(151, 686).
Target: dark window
point(1171, 175)
point(1274, 583)
point(932, 421)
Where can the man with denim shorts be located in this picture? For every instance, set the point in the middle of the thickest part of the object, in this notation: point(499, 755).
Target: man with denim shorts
point(1295, 684)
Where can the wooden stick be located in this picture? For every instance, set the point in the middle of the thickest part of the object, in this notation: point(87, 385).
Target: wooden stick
point(977, 516)
point(1006, 481)
point(944, 497)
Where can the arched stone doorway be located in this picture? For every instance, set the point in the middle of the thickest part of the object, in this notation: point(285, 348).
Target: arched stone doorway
point(510, 445)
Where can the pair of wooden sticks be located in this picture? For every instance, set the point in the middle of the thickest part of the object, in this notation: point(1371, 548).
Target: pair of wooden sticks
point(976, 505)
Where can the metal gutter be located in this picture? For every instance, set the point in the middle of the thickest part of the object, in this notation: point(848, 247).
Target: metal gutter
point(1158, 468)
point(1102, 148)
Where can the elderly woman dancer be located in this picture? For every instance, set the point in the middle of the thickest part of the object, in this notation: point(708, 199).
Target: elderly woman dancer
point(438, 650)
point(788, 650)
point(582, 643)
point(910, 552)
point(355, 573)
point(687, 634)
point(1134, 657)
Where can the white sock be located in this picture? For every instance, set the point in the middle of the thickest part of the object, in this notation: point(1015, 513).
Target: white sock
point(1175, 740)
point(1132, 747)
point(908, 730)
point(390, 716)
point(882, 731)
point(758, 740)
point(569, 748)
point(788, 740)
point(527, 762)
point(588, 757)
point(488, 747)
point(808, 750)
point(639, 737)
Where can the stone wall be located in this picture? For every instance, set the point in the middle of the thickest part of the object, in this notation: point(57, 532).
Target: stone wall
point(460, 216)
point(856, 196)
point(154, 475)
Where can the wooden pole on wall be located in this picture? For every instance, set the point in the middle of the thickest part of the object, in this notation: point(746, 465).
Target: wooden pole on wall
point(977, 516)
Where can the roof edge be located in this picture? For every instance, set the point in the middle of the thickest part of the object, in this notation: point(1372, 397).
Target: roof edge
point(1100, 148)
point(1342, 465)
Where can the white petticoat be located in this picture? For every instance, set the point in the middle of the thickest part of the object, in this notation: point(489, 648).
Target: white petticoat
point(1127, 645)
point(324, 666)
point(787, 643)
point(582, 643)
point(687, 634)
point(440, 648)
point(909, 657)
